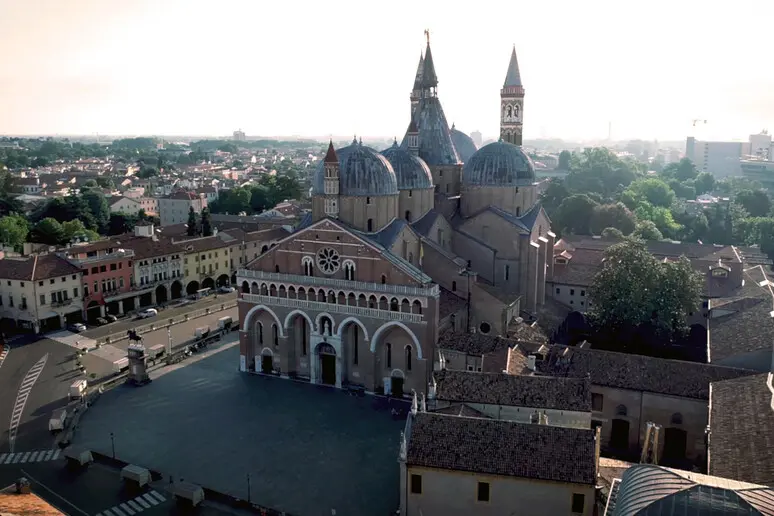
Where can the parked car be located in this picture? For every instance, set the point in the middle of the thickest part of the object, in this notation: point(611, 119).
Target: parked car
point(77, 327)
point(148, 312)
point(101, 321)
point(226, 289)
point(111, 318)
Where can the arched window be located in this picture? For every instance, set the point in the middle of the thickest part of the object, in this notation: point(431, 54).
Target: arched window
point(408, 216)
point(518, 211)
point(384, 279)
point(621, 410)
point(411, 258)
point(260, 334)
point(388, 354)
point(370, 225)
point(275, 334)
point(408, 358)
point(245, 287)
point(507, 272)
point(454, 286)
point(304, 337)
point(355, 330)
point(677, 419)
point(394, 305)
point(276, 268)
point(308, 264)
point(349, 270)
point(264, 249)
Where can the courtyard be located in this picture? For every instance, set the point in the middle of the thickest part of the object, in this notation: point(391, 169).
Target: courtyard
point(308, 450)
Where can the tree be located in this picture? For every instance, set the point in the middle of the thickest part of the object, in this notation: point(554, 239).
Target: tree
point(660, 216)
point(553, 195)
point(259, 198)
point(88, 185)
point(757, 202)
point(615, 216)
point(105, 182)
point(147, 173)
point(232, 201)
point(13, 230)
point(192, 223)
point(647, 230)
point(99, 208)
point(120, 224)
point(652, 190)
point(685, 170)
point(704, 183)
point(48, 231)
point(634, 288)
point(574, 214)
point(206, 223)
point(599, 170)
point(564, 160)
point(74, 230)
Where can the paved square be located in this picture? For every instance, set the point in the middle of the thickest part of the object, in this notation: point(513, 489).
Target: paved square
point(307, 449)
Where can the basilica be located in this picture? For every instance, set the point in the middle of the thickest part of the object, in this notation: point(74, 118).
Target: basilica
point(429, 235)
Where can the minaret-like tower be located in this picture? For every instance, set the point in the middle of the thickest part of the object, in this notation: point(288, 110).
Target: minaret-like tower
point(512, 103)
point(429, 82)
point(416, 92)
point(413, 138)
point(331, 187)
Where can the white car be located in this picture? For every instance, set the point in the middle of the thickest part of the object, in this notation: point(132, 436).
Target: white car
point(226, 290)
point(148, 312)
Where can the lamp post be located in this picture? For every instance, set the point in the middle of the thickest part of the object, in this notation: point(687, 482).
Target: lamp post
point(113, 444)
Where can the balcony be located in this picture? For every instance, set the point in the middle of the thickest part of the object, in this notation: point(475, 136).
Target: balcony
point(123, 253)
point(317, 281)
point(333, 308)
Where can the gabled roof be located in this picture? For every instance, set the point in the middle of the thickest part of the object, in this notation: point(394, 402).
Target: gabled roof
point(36, 268)
point(513, 76)
point(425, 224)
point(500, 447)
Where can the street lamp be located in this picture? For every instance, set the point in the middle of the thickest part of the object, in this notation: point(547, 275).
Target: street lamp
point(113, 444)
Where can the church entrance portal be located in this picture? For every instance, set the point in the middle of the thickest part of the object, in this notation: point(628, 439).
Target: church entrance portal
point(327, 364)
point(396, 384)
point(619, 435)
point(266, 363)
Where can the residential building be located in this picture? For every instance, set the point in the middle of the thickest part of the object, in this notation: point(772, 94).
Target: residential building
point(719, 158)
point(628, 391)
point(653, 489)
point(210, 193)
point(239, 135)
point(150, 205)
point(107, 273)
point(760, 171)
point(206, 262)
point(124, 205)
point(353, 295)
point(29, 185)
point(40, 293)
point(458, 465)
point(174, 208)
point(760, 144)
point(158, 267)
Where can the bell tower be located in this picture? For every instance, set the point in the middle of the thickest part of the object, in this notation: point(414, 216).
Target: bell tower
point(331, 186)
point(512, 103)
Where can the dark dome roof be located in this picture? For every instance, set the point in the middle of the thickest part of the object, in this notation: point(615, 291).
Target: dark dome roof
point(464, 144)
point(499, 164)
point(362, 172)
point(411, 171)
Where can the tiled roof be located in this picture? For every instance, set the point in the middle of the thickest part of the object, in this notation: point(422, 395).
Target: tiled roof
point(638, 372)
point(749, 327)
point(203, 243)
point(389, 233)
point(13, 504)
point(498, 447)
point(460, 409)
point(541, 392)
point(36, 268)
point(741, 444)
point(425, 224)
point(473, 343)
point(449, 303)
point(182, 196)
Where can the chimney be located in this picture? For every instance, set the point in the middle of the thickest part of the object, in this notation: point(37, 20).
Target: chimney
point(23, 486)
point(531, 363)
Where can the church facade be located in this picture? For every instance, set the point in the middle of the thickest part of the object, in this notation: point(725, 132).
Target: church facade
point(402, 244)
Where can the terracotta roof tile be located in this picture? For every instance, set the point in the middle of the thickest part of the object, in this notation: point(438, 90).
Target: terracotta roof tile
point(36, 268)
point(499, 447)
point(637, 372)
point(473, 343)
point(449, 303)
point(541, 392)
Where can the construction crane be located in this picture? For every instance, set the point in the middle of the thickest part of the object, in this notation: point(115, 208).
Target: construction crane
point(698, 120)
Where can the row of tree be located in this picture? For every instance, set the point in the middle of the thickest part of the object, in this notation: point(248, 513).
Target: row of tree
point(606, 195)
point(270, 190)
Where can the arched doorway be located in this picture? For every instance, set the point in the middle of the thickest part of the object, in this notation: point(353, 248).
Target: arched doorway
point(161, 294)
point(397, 379)
point(208, 283)
point(223, 280)
point(619, 435)
point(388, 344)
point(177, 290)
point(327, 363)
point(267, 361)
point(299, 330)
point(675, 444)
point(93, 311)
point(233, 279)
point(146, 299)
point(245, 287)
point(353, 336)
point(192, 287)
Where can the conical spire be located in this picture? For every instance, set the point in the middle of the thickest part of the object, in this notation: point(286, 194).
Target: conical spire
point(513, 77)
point(420, 68)
point(330, 156)
point(429, 79)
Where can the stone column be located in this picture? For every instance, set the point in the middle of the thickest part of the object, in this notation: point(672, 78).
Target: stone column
point(153, 296)
point(338, 372)
point(63, 321)
point(121, 307)
point(313, 359)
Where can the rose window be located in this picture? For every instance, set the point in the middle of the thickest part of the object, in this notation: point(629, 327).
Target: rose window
point(328, 260)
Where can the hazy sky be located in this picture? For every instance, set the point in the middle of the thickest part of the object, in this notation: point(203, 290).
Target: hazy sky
point(345, 67)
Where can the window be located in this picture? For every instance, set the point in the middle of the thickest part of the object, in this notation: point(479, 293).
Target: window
point(485, 328)
point(75, 291)
point(408, 358)
point(120, 265)
point(578, 502)
point(103, 268)
point(387, 352)
point(42, 299)
point(408, 215)
point(121, 282)
point(572, 291)
point(621, 410)
point(113, 267)
point(51, 281)
point(368, 200)
point(384, 279)
point(355, 356)
point(10, 300)
point(507, 272)
point(24, 303)
point(583, 293)
point(94, 270)
point(260, 334)
point(454, 286)
point(677, 419)
point(596, 402)
point(416, 484)
point(40, 284)
point(21, 283)
point(482, 494)
point(370, 225)
point(518, 211)
point(558, 291)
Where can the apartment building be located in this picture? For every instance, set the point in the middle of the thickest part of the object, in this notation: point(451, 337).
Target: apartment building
point(39, 293)
point(174, 208)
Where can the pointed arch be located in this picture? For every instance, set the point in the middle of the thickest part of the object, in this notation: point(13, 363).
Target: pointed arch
point(289, 318)
point(378, 333)
point(257, 308)
point(343, 324)
point(320, 316)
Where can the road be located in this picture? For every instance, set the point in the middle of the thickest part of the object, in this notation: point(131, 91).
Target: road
point(122, 325)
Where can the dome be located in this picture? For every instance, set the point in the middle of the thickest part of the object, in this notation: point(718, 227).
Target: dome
point(499, 164)
point(412, 173)
point(362, 172)
point(463, 143)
